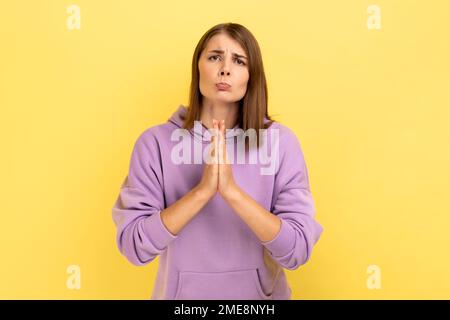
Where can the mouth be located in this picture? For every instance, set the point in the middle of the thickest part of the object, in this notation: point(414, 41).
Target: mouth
point(223, 86)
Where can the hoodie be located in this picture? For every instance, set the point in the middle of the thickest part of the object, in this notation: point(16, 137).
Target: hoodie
point(216, 255)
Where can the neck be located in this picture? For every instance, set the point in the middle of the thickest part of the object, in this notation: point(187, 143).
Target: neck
point(219, 111)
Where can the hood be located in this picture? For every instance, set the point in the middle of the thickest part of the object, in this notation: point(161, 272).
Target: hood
point(199, 131)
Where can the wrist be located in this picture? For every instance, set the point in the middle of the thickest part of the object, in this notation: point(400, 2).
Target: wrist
point(232, 193)
point(201, 194)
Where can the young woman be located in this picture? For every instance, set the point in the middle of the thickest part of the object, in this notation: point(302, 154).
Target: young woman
point(224, 209)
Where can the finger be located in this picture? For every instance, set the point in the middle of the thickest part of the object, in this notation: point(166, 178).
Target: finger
point(212, 154)
point(213, 149)
point(221, 141)
point(216, 142)
point(224, 144)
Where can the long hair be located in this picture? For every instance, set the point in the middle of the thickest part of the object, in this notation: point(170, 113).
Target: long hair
point(253, 106)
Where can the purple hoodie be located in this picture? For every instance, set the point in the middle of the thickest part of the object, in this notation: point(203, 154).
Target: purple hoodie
point(216, 255)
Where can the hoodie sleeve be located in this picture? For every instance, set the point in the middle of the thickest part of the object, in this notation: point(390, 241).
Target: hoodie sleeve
point(141, 234)
point(294, 205)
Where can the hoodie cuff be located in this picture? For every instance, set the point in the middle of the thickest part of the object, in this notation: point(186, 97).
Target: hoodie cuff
point(157, 232)
point(284, 241)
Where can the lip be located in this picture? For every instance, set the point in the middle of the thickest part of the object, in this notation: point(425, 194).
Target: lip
point(223, 86)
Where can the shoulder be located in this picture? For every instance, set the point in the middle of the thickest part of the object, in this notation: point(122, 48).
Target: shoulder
point(155, 139)
point(289, 149)
point(287, 137)
point(159, 132)
point(147, 140)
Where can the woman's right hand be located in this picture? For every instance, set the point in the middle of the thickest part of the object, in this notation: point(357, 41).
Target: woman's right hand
point(210, 180)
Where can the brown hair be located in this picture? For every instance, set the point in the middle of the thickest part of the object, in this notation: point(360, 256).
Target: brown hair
point(253, 106)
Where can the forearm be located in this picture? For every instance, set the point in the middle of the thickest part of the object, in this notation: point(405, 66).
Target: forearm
point(176, 216)
point(263, 223)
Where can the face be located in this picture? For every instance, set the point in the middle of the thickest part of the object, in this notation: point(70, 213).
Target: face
point(223, 60)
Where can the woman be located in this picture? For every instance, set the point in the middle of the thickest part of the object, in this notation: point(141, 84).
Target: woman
point(223, 225)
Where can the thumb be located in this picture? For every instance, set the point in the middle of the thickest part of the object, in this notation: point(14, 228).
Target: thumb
point(222, 144)
point(215, 141)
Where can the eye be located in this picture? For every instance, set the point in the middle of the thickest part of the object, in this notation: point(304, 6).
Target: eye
point(243, 64)
point(240, 62)
point(212, 57)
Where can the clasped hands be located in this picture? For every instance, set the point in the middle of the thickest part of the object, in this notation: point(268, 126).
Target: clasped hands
point(218, 174)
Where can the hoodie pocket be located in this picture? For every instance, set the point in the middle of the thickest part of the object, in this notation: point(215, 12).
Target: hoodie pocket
point(225, 285)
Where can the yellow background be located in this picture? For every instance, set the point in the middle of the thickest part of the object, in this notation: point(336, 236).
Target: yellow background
point(370, 107)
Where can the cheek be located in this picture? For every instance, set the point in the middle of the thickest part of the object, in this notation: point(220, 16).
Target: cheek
point(206, 71)
point(244, 76)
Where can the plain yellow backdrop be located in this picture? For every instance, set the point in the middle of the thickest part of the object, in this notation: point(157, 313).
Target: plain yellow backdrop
point(371, 108)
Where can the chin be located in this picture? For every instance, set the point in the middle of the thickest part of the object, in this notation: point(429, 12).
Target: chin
point(226, 100)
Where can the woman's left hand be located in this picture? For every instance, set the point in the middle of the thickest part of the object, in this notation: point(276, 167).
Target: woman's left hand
point(227, 186)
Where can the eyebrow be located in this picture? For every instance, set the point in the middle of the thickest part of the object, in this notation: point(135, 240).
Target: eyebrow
point(234, 54)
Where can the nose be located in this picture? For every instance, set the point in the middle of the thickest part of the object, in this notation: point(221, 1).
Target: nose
point(225, 68)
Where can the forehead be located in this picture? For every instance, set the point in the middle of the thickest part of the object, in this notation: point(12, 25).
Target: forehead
point(224, 42)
